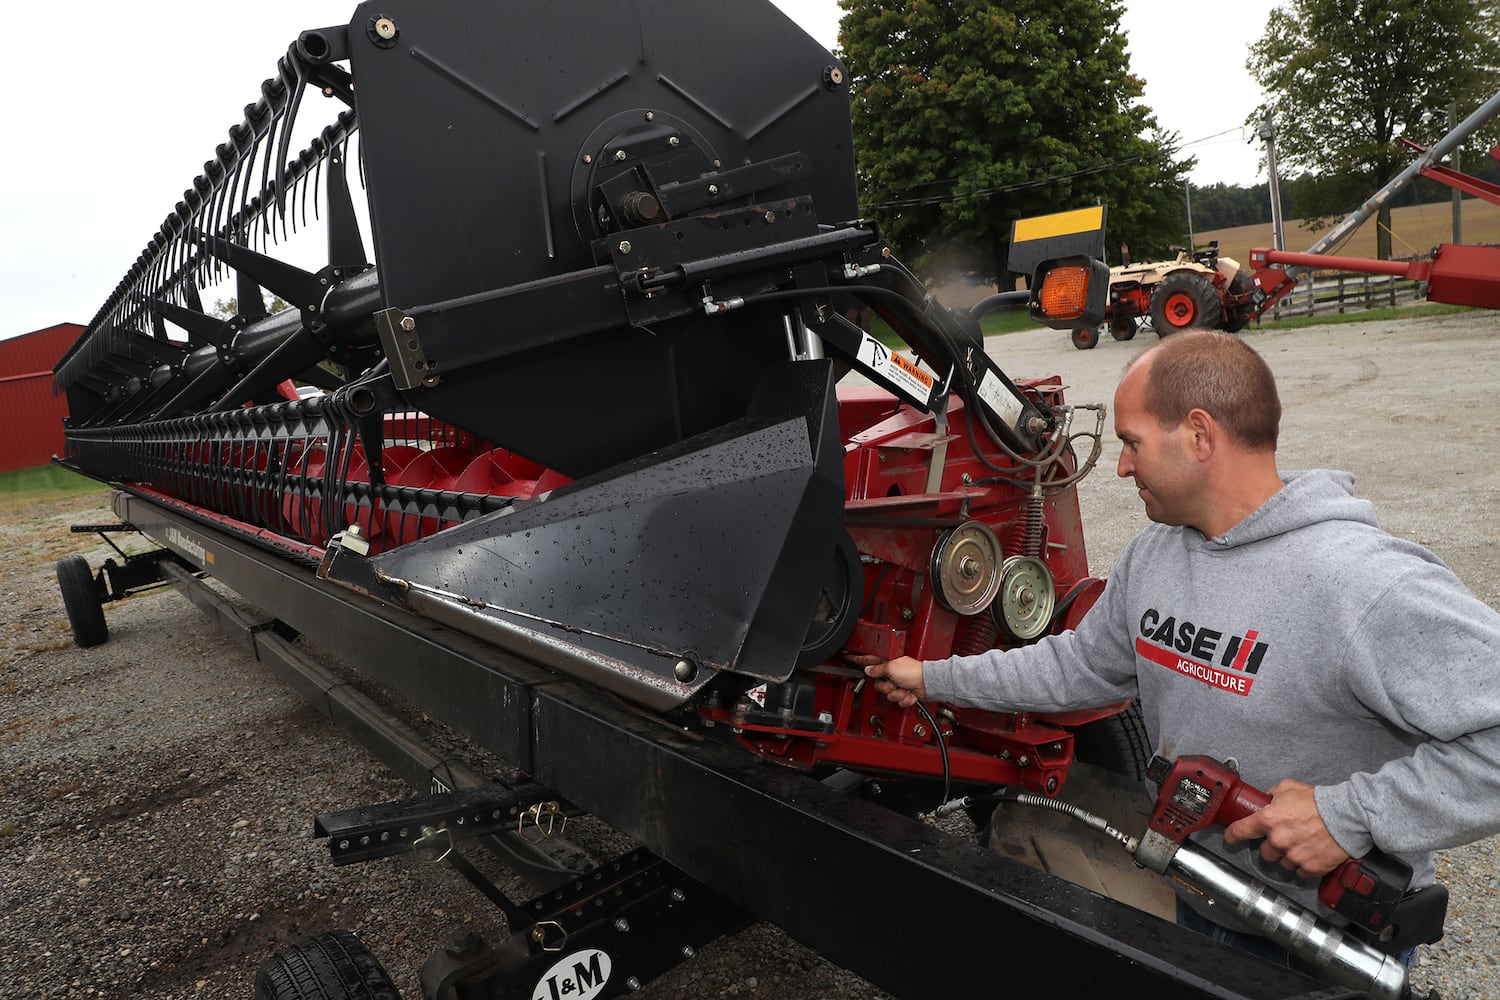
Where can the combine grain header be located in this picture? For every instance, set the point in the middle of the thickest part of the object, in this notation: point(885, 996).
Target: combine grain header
point(579, 484)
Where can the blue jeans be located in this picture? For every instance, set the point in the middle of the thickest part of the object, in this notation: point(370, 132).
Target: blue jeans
point(1261, 947)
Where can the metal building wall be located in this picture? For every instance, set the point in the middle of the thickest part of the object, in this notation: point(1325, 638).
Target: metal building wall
point(31, 418)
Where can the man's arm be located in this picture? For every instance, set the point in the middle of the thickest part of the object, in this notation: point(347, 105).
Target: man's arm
point(1092, 665)
point(1426, 660)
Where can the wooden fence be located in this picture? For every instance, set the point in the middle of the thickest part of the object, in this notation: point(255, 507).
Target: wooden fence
point(1322, 292)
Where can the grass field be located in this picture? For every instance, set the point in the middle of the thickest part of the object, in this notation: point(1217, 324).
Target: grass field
point(1415, 229)
point(43, 484)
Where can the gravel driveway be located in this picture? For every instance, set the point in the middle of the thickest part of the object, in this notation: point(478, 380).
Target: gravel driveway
point(156, 793)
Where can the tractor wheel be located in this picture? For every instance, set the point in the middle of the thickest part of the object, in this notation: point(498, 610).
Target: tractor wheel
point(1239, 316)
point(1123, 328)
point(1086, 338)
point(81, 601)
point(332, 966)
point(1185, 301)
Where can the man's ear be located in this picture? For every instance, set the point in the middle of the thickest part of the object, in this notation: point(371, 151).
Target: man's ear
point(1203, 434)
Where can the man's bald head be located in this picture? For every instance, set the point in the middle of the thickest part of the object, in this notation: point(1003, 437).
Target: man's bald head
point(1217, 373)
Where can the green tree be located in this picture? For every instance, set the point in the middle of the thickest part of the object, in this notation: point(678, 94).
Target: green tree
point(970, 114)
point(225, 308)
point(1348, 78)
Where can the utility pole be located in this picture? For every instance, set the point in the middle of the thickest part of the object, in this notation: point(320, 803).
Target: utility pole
point(1458, 196)
point(1188, 187)
point(1268, 133)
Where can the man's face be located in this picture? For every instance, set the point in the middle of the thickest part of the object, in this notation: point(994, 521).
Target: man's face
point(1167, 476)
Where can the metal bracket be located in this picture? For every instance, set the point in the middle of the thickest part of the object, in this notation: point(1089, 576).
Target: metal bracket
point(410, 368)
point(382, 831)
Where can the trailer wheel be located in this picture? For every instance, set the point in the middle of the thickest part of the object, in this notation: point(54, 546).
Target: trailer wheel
point(1116, 743)
point(81, 601)
point(1086, 338)
point(334, 965)
point(1185, 301)
point(1239, 317)
point(1122, 328)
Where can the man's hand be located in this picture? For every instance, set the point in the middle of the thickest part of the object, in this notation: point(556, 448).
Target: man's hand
point(1294, 832)
point(900, 679)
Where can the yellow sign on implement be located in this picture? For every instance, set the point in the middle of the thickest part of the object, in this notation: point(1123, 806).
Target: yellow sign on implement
point(1079, 233)
point(1080, 220)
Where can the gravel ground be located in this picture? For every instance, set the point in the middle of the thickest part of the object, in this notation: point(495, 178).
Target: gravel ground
point(156, 793)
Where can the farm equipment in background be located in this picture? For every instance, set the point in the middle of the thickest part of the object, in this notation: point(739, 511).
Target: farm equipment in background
point(1457, 274)
point(1200, 290)
point(1206, 291)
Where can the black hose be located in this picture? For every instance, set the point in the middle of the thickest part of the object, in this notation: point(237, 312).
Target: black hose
point(937, 734)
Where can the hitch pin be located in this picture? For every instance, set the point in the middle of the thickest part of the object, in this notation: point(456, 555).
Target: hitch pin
point(556, 821)
point(426, 846)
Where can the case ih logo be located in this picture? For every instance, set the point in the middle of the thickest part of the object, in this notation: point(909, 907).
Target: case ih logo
point(580, 976)
point(1191, 650)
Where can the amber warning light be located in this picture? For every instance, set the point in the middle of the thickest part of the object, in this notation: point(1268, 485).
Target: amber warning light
point(1070, 292)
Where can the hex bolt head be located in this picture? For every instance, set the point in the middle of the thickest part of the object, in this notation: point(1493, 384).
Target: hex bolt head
point(688, 951)
point(633, 984)
point(588, 158)
point(622, 925)
point(624, 246)
point(678, 895)
point(619, 155)
point(769, 217)
point(674, 142)
point(651, 116)
point(408, 324)
point(713, 189)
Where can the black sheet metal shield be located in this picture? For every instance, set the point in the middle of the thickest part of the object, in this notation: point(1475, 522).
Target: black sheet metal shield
point(494, 139)
point(649, 578)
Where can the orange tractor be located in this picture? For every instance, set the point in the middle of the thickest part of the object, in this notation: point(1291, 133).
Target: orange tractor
point(1204, 291)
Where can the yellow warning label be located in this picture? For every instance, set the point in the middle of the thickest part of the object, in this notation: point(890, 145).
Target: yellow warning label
point(1080, 220)
point(912, 370)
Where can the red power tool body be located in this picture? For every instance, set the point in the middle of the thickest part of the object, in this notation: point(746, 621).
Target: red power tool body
point(1197, 792)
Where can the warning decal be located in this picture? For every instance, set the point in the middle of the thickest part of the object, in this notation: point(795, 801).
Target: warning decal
point(898, 372)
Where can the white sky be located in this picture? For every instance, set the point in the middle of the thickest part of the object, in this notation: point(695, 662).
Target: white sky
point(111, 111)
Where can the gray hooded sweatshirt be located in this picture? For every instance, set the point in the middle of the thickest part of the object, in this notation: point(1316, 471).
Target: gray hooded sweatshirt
point(1305, 643)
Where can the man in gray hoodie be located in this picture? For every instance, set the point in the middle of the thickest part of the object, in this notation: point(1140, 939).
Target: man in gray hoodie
point(1269, 619)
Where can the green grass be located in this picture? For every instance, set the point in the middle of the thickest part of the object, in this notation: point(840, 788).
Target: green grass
point(43, 484)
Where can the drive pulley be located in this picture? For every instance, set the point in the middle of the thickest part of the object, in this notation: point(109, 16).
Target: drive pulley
point(966, 568)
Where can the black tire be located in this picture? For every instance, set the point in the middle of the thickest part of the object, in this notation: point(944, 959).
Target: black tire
point(1239, 316)
point(1123, 328)
point(81, 601)
point(1185, 300)
point(1116, 743)
point(1086, 338)
point(334, 965)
